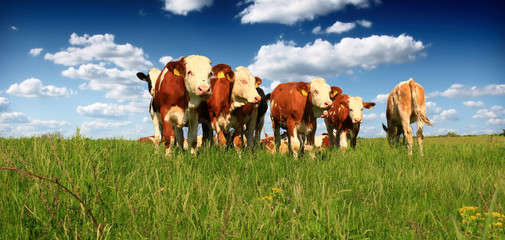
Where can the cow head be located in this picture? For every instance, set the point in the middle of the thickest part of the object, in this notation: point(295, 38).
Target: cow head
point(150, 78)
point(356, 105)
point(335, 91)
point(197, 74)
point(244, 88)
point(223, 71)
point(319, 96)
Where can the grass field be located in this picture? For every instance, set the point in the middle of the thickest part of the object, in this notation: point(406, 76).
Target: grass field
point(78, 188)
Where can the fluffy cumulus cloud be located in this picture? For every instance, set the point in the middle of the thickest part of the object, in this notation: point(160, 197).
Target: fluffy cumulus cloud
point(33, 88)
point(4, 104)
point(474, 104)
point(100, 47)
point(381, 98)
point(165, 59)
point(292, 11)
point(463, 91)
point(17, 124)
point(35, 51)
point(285, 61)
point(494, 114)
point(449, 115)
point(105, 110)
point(341, 27)
point(183, 7)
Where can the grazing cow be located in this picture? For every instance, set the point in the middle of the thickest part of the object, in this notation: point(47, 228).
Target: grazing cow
point(405, 106)
point(178, 92)
point(345, 116)
point(295, 106)
point(225, 108)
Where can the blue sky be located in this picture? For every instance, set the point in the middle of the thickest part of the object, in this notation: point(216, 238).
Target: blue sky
point(70, 64)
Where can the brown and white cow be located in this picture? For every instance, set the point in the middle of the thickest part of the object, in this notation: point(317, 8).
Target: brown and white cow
point(406, 105)
point(178, 92)
point(345, 116)
point(295, 106)
point(232, 91)
point(151, 78)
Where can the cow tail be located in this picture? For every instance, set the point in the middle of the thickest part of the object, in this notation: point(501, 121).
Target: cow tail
point(420, 115)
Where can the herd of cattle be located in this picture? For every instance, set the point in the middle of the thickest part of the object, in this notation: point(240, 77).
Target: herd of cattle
point(190, 91)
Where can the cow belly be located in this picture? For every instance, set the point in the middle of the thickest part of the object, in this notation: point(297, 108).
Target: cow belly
point(303, 129)
point(176, 117)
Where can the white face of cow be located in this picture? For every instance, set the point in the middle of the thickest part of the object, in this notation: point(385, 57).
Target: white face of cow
point(244, 89)
point(356, 109)
point(197, 77)
point(320, 92)
point(153, 77)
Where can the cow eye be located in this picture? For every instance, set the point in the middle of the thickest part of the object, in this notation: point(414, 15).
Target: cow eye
point(190, 73)
point(315, 91)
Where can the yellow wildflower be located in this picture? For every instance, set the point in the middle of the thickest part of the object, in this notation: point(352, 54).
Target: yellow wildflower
point(464, 221)
point(498, 224)
point(473, 217)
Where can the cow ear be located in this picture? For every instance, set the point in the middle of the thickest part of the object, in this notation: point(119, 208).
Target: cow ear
point(368, 105)
point(303, 89)
point(176, 68)
point(142, 76)
point(384, 127)
point(335, 91)
point(258, 82)
point(230, 75)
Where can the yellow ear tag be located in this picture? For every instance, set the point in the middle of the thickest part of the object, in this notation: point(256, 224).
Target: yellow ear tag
point(220, 75)
point(176, 72)
point(256, 85)
point(335, 93)
point(304, 93)
point(342, 105)
point(369, 107)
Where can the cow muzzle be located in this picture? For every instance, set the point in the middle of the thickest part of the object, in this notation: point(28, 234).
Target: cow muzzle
point(327, 104)
point(204, 92)
point(356, 120)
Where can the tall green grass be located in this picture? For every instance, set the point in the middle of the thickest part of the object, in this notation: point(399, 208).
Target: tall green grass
point(121, 189)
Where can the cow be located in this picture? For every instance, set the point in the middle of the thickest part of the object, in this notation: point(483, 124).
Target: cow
point(179, 90)
point(225, 108)
point(405, 106)
point(151, 78)
point(345, 117)
point(295, 106)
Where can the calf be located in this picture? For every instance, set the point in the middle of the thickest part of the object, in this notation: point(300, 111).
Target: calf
point(405, 106)
point(225, 108)
point(178, 92)
point(295, 106)
point(345, 116)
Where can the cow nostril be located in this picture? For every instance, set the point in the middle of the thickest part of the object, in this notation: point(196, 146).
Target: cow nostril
point(257, 99)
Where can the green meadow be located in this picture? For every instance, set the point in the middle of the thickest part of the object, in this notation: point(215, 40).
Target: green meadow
point(78, 188)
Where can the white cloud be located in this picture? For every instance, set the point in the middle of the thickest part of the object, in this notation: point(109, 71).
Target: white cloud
point(105, 110)
point(146, 120)
point(4, 104)
point(35, 51)
point(165, 59)
point(14, 28)
point(88, 127)
point(290, 12)
point(370, 116)
point(100, 48)
point(183, 7)
point(364, 23)
point(118, 84)
point(462, 91)
point(317, 30)
point(13, 117)
point(446, 115)
point(432, 108)
point(285, 61)
point(381, 98)
point(33, 88)
point(340, 27)
point(493, 112)
point(15, 124)
point(474, 104)
point(495, 121)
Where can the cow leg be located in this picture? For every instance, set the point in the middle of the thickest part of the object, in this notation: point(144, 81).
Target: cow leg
point(207, 132)
point(192, 130)
point(179, 136)
point(277, 135)
point(407, 131)
point(238, 131)
point(355, 132)
point(158, 128)
point(329, 130)
point(251, 126)
point(168, 136)
point(342, 138)
point(258, 129)
point(420, 135)
point(294, 142)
